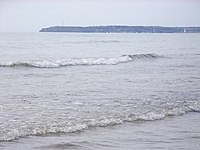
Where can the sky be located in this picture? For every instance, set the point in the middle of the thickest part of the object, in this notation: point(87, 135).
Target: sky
point(32, 15)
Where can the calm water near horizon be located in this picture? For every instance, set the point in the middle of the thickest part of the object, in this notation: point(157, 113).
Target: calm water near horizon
point(99, 91)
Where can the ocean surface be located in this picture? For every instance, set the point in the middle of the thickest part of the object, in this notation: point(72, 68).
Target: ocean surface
point(99, 91)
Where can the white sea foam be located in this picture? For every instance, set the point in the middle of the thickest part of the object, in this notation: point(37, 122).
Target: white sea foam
point(84, 124)
point(79, 61)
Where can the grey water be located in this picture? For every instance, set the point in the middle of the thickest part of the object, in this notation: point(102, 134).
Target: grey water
point(99, 91)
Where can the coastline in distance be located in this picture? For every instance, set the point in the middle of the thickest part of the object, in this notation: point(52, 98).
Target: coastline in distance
point(121, 29)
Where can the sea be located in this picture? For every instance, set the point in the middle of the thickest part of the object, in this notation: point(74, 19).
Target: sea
point(108, 91)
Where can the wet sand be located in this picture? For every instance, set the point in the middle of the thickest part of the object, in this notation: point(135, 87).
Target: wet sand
point(179, 132)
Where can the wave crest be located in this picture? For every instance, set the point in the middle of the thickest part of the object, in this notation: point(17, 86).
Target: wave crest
point(80, 61)
point(103, 121)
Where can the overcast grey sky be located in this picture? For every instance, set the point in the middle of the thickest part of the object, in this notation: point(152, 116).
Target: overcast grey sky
point(31, 15)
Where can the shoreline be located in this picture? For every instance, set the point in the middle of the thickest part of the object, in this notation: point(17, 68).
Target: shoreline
point(178, 132)
point(121, 29)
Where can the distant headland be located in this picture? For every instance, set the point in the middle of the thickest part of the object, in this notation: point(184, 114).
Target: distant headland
point(121, 29)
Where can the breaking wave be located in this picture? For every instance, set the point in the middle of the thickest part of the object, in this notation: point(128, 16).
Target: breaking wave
point(80, 61)
point(85, 124)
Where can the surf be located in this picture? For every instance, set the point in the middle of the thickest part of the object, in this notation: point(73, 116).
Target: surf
point(80, 61)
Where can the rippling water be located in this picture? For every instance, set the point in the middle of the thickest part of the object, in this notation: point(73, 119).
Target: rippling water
point(54, 84)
